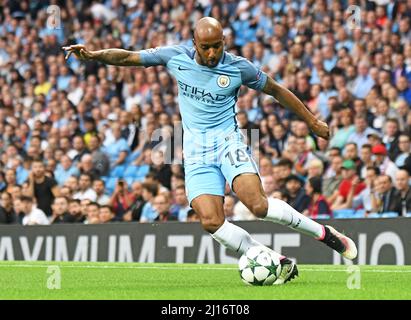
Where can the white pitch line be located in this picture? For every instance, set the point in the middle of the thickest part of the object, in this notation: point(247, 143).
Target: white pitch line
point(179, 268)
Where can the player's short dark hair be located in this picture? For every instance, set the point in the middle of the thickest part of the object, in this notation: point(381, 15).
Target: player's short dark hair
point(75, 200)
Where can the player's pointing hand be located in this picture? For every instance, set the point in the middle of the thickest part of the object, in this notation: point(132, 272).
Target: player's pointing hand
point(321, 129)
point(80, 51)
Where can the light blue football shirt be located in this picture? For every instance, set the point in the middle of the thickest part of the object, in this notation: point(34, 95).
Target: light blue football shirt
point(207, 96)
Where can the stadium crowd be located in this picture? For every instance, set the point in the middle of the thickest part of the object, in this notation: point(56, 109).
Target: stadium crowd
point(77, 137)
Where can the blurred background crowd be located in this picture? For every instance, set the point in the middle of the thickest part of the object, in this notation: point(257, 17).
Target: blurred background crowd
point(76, 137)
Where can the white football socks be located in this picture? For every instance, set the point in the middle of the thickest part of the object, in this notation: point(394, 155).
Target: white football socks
point(281, 212)
point(234, 237)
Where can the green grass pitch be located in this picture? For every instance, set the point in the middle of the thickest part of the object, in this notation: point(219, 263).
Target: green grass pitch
point(86, 280)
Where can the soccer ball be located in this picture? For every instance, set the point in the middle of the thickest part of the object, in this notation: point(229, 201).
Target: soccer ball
point(259, 266)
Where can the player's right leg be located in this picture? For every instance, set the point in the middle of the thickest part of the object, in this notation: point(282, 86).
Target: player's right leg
point(205, 186)
point(210, 209)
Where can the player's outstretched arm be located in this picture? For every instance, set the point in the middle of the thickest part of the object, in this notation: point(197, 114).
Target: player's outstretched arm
point(289, 100)
point(117, 57)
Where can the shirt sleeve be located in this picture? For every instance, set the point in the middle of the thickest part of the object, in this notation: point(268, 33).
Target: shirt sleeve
point(251, 76)
point(158, 56)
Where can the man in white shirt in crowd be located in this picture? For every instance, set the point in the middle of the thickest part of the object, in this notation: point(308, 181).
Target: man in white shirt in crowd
point(85, 190)
point(32, 214)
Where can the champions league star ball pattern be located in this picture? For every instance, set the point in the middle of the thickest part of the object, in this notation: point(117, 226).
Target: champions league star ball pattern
point(259, 266)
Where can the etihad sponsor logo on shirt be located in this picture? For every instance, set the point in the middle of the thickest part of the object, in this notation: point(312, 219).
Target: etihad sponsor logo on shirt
point(199, 94)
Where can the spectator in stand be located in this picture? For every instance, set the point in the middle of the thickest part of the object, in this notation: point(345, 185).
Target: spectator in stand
point(192, 216)
point(64, 170)
point(330, 185)
point(121, 200)
point(363, 199)
point(362, 130)
point(134, 212)
point(390, 138)
point(402, 198)
point(100, 160)
point(385, 193)
point(383, 162)
point(181, 206)
point(366, 159)
point(11, 181)
point(79, 149)
point(74, 209)
point(118, 149)
point(92, 213)
point(7, 212)
point(364, 82)
point(318, 204)
point(285, 167)
point(229, 202)
point(60, 210)
point(350, 186)
point(42, 187)
point(150, 191)
point(106, 214)
point(298, 199)
point(85, 190)
point(32, 214)
point(86, 166)
point(315, 168)
point(345, 131)
point(99, 188)
point(404, 145)
point(162, 207)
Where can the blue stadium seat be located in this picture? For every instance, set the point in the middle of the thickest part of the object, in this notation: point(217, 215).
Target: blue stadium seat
point(111, 184)
point(374, 215)
point(389, 215)
point(132, 156)
point(131, 171)
point(129, 181)
point(344, 213)
point(142, 171)
point(117, 171)
point(323, 216)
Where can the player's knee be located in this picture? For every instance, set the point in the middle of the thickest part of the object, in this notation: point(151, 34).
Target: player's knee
point(259, 208)
point(212, 224)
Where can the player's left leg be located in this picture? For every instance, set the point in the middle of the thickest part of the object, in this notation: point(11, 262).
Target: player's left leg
point(279, 211)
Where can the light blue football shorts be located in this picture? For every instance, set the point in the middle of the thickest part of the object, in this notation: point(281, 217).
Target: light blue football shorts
point(208, 168)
